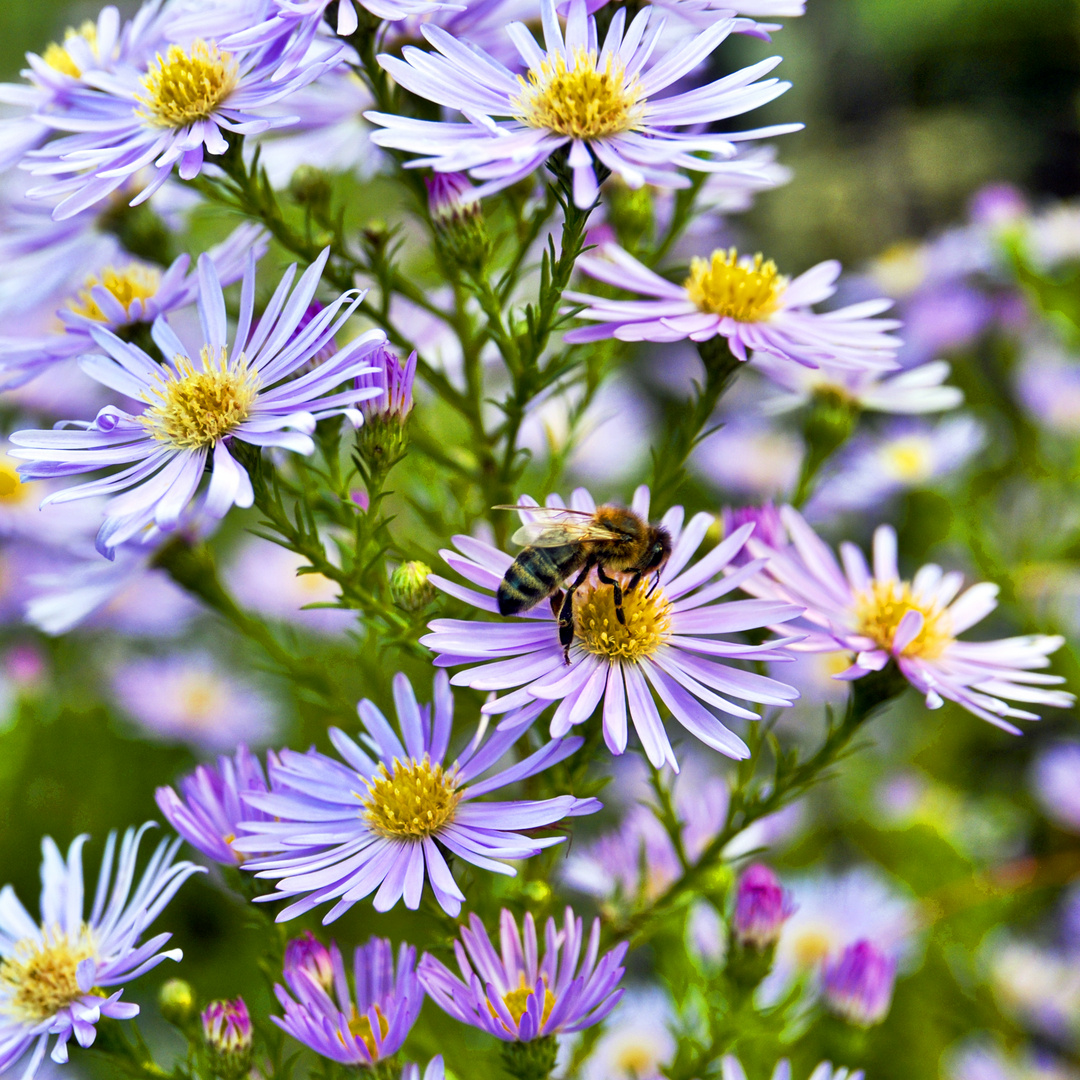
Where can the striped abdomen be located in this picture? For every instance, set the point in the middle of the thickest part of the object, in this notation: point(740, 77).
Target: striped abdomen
point(535, 574)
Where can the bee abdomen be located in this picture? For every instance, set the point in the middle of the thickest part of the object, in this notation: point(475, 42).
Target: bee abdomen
point(535, 574)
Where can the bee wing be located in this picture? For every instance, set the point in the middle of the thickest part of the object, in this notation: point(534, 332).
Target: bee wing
point(555, 526)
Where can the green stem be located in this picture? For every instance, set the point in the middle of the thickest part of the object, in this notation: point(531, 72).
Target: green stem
point(688, 425)
point(829, 422)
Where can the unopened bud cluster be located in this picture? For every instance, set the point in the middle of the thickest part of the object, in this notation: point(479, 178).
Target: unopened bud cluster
point(458, 219)
point(409, 586)
point(381, 439)
point(227, 1034)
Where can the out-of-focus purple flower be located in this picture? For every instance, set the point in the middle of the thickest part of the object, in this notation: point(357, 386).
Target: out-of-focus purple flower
point(58, 976)
point(859, 984)
point(228, 1035)
point(1048, 382)
point(1039, 986)
point(762, 906)
point(265, 577)
point(986, 1061)
point(412, 806)
point(190, 698)
point(907, 454)
point(768, 527)
point(355, 1030)
point(1055, 777)
point(914, 624)
point(434, 1070)
point(731, 1069)
point(997, 205)
point(944, 318)
point(395, 381)
point(637, 1040)
point(516, 996)
point(751, 458)
point(210, 806)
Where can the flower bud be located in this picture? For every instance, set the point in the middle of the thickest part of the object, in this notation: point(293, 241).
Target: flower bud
point(410, 588)
point(176, 1001)
point(859, 985)
point(458, 219)
point(307, 953)
point(227, 1032)
point(382, 438)
point(310, 186)
point(762, 906)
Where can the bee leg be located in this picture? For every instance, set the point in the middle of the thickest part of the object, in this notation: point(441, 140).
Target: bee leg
point(616, 589)
point(634, 582)
point(556, 602)
point(655, 582)
point(566, 615)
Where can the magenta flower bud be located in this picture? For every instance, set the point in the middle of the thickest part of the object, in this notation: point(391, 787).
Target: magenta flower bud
point(768, 528)
point(762, 906)
point(449, 196)
point(228, 1033)
point(395, 380)
point(859, 985)
point(308, 954)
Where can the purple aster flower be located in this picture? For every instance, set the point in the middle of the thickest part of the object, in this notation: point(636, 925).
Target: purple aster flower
point(747, 301)
point(768, 526)
point(117, 295)
point(731, 1069)
point(858, 985)
point(195, 408)
point(516, 996)
point(599, 102)
point(916, 390)
point(670, 642)
point(313, 956)
point(384, 822)
point(67, 67)
point(434, 1070)
point(209, 808)
point(165, 114)
point(361, 1030)
point(1055, 778)
point(57, 976)
point(762, 906)
point(394, 382)
point(191, 698)
point(882, 618)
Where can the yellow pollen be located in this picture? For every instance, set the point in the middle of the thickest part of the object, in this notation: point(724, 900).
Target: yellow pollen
point(597, 627)
point(878, 612)
point(413, 801)
point(583, 101)
point(909, 459)
point(38, 979)
point(57, 56)
point(741, 289)
point(134, 282)
point(195, 407)
point(360, 1028)
point(812, 947)
point(517, 1002)
point(182, 87)
point(12, 489)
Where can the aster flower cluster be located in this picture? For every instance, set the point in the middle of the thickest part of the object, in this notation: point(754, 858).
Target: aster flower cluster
point(307, 305)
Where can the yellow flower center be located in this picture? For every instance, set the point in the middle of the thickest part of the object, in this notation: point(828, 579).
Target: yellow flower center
point(737, 288)
point(811, 947)
point(12, 489)
point(196, 407)
point(597, 627)
point(360, 1028)
point(182, 87)
point(910, 459)
point(517, 1002)
point(134, 282)
point(413, 801)
point(38, 979)
point(878, 612)
point(583, 101)
point(637, 1060)
point(57, 56)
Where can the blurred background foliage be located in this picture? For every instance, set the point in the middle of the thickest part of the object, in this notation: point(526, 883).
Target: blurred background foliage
point(910, 106)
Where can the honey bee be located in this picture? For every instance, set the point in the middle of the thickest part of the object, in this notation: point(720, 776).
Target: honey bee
point(561, 543)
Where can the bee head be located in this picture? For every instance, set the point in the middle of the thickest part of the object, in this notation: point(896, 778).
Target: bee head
point(658, 551)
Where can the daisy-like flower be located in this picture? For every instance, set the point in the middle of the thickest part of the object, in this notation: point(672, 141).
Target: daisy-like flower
point(600, 103)
point(917, 390)
point(323, 1013)
point(199, 402)
point(209, 807)
point(166, 114)
point(669, 644)
point(118, 295)
point(57, 977)
point(383, 822)
point(731, 1069)
point(515, 995)
point(745, 300)
point(882, 618)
